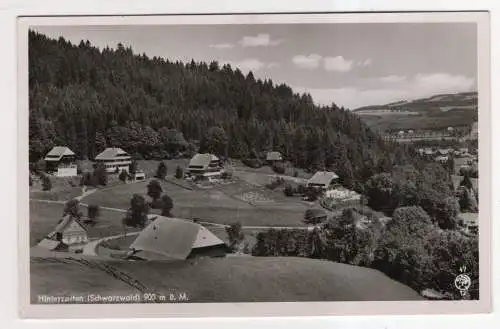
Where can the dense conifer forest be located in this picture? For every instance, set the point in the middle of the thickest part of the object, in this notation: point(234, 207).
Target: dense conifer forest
point(88, 99)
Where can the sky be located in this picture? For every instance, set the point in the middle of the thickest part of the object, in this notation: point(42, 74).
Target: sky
point(351, 65)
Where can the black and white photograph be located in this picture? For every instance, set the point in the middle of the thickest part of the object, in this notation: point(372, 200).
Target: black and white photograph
point(294, 160)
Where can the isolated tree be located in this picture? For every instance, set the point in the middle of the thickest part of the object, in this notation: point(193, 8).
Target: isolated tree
point(137, 214)
point(235, 235)
point(166, 206)
point(72, 208)
point(154, 190)
point(161, 171)
point(179, 173)
point(133, 167)
point(86, 179)
point(93, 212)
point(466, 181)
point(100, 176)
point(46, 183)
point(123, 176)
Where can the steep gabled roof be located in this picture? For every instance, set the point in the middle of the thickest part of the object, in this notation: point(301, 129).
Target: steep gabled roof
point(111, 153)
point(172, 239)
point(202, 160)
point(322, 178)
point(64, 224)
point(57, 153)
point(274, 156)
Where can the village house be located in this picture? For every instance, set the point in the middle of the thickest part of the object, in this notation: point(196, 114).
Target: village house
point(61, 162)
point(469, 222)
point(323, 180)
point(139, 175)
point(204, 165)
point(68, 234)
point(443, 159)
point(114, 160)
point(273, 158)
point(176, 239)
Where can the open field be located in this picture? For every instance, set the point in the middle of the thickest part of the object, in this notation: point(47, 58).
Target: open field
point(45, 216)
point(224, 204)
point(63, 189)
point(267, 279)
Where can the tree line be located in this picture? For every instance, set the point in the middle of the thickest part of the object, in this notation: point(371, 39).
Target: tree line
point(88, 99)
point(409, 248)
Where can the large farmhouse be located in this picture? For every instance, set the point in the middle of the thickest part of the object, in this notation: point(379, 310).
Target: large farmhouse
point(176, 239)
point(204, 165)
point(61, 162)
point(273, 157)
point(323, 180)
point(114, 159)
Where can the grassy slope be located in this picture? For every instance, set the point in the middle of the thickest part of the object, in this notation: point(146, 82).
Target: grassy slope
point(234, 279)
point(44, 218)
point(221, 205)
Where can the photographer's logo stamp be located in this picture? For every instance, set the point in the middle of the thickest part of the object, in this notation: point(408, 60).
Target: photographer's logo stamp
point(463, 281)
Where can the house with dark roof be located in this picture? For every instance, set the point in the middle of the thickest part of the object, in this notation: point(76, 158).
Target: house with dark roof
point(204, 165)
point(273, 157)
point(61, 162)
point(323, 180)
point(114, 160)
point(176, 239)
point(68, 234)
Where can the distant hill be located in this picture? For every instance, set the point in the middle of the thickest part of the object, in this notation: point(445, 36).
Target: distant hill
point(432, 113)
point(232, 279)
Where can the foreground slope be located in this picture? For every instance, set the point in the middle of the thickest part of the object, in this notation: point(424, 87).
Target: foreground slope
point(232, 279)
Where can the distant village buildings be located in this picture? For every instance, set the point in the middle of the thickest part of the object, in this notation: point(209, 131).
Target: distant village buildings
point(61, 162)
point(114, 160)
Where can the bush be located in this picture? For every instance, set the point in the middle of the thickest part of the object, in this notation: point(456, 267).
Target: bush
point(235, 235)
point(123, 175)
point(295, 173)
point(275, 183)
point(252, 163)
point(314, 216)
point(161, 171)
point(46, 183)
point(154, 189)
point(179, 173)
point(167, 204)
point(279, 168)
point(93, 212)
point(30, 180)
point(72, 208)
point(289, 191)
point(226, 175)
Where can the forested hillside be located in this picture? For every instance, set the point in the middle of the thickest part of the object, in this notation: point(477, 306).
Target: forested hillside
point(88, 99)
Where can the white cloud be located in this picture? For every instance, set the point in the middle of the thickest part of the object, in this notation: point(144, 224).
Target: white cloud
point(420, 86)
point(259, 41)
point(251, 64)
point(311, 61)
point(393, 79)
point(366, 62)
point(222, 46)
point(338, 63)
